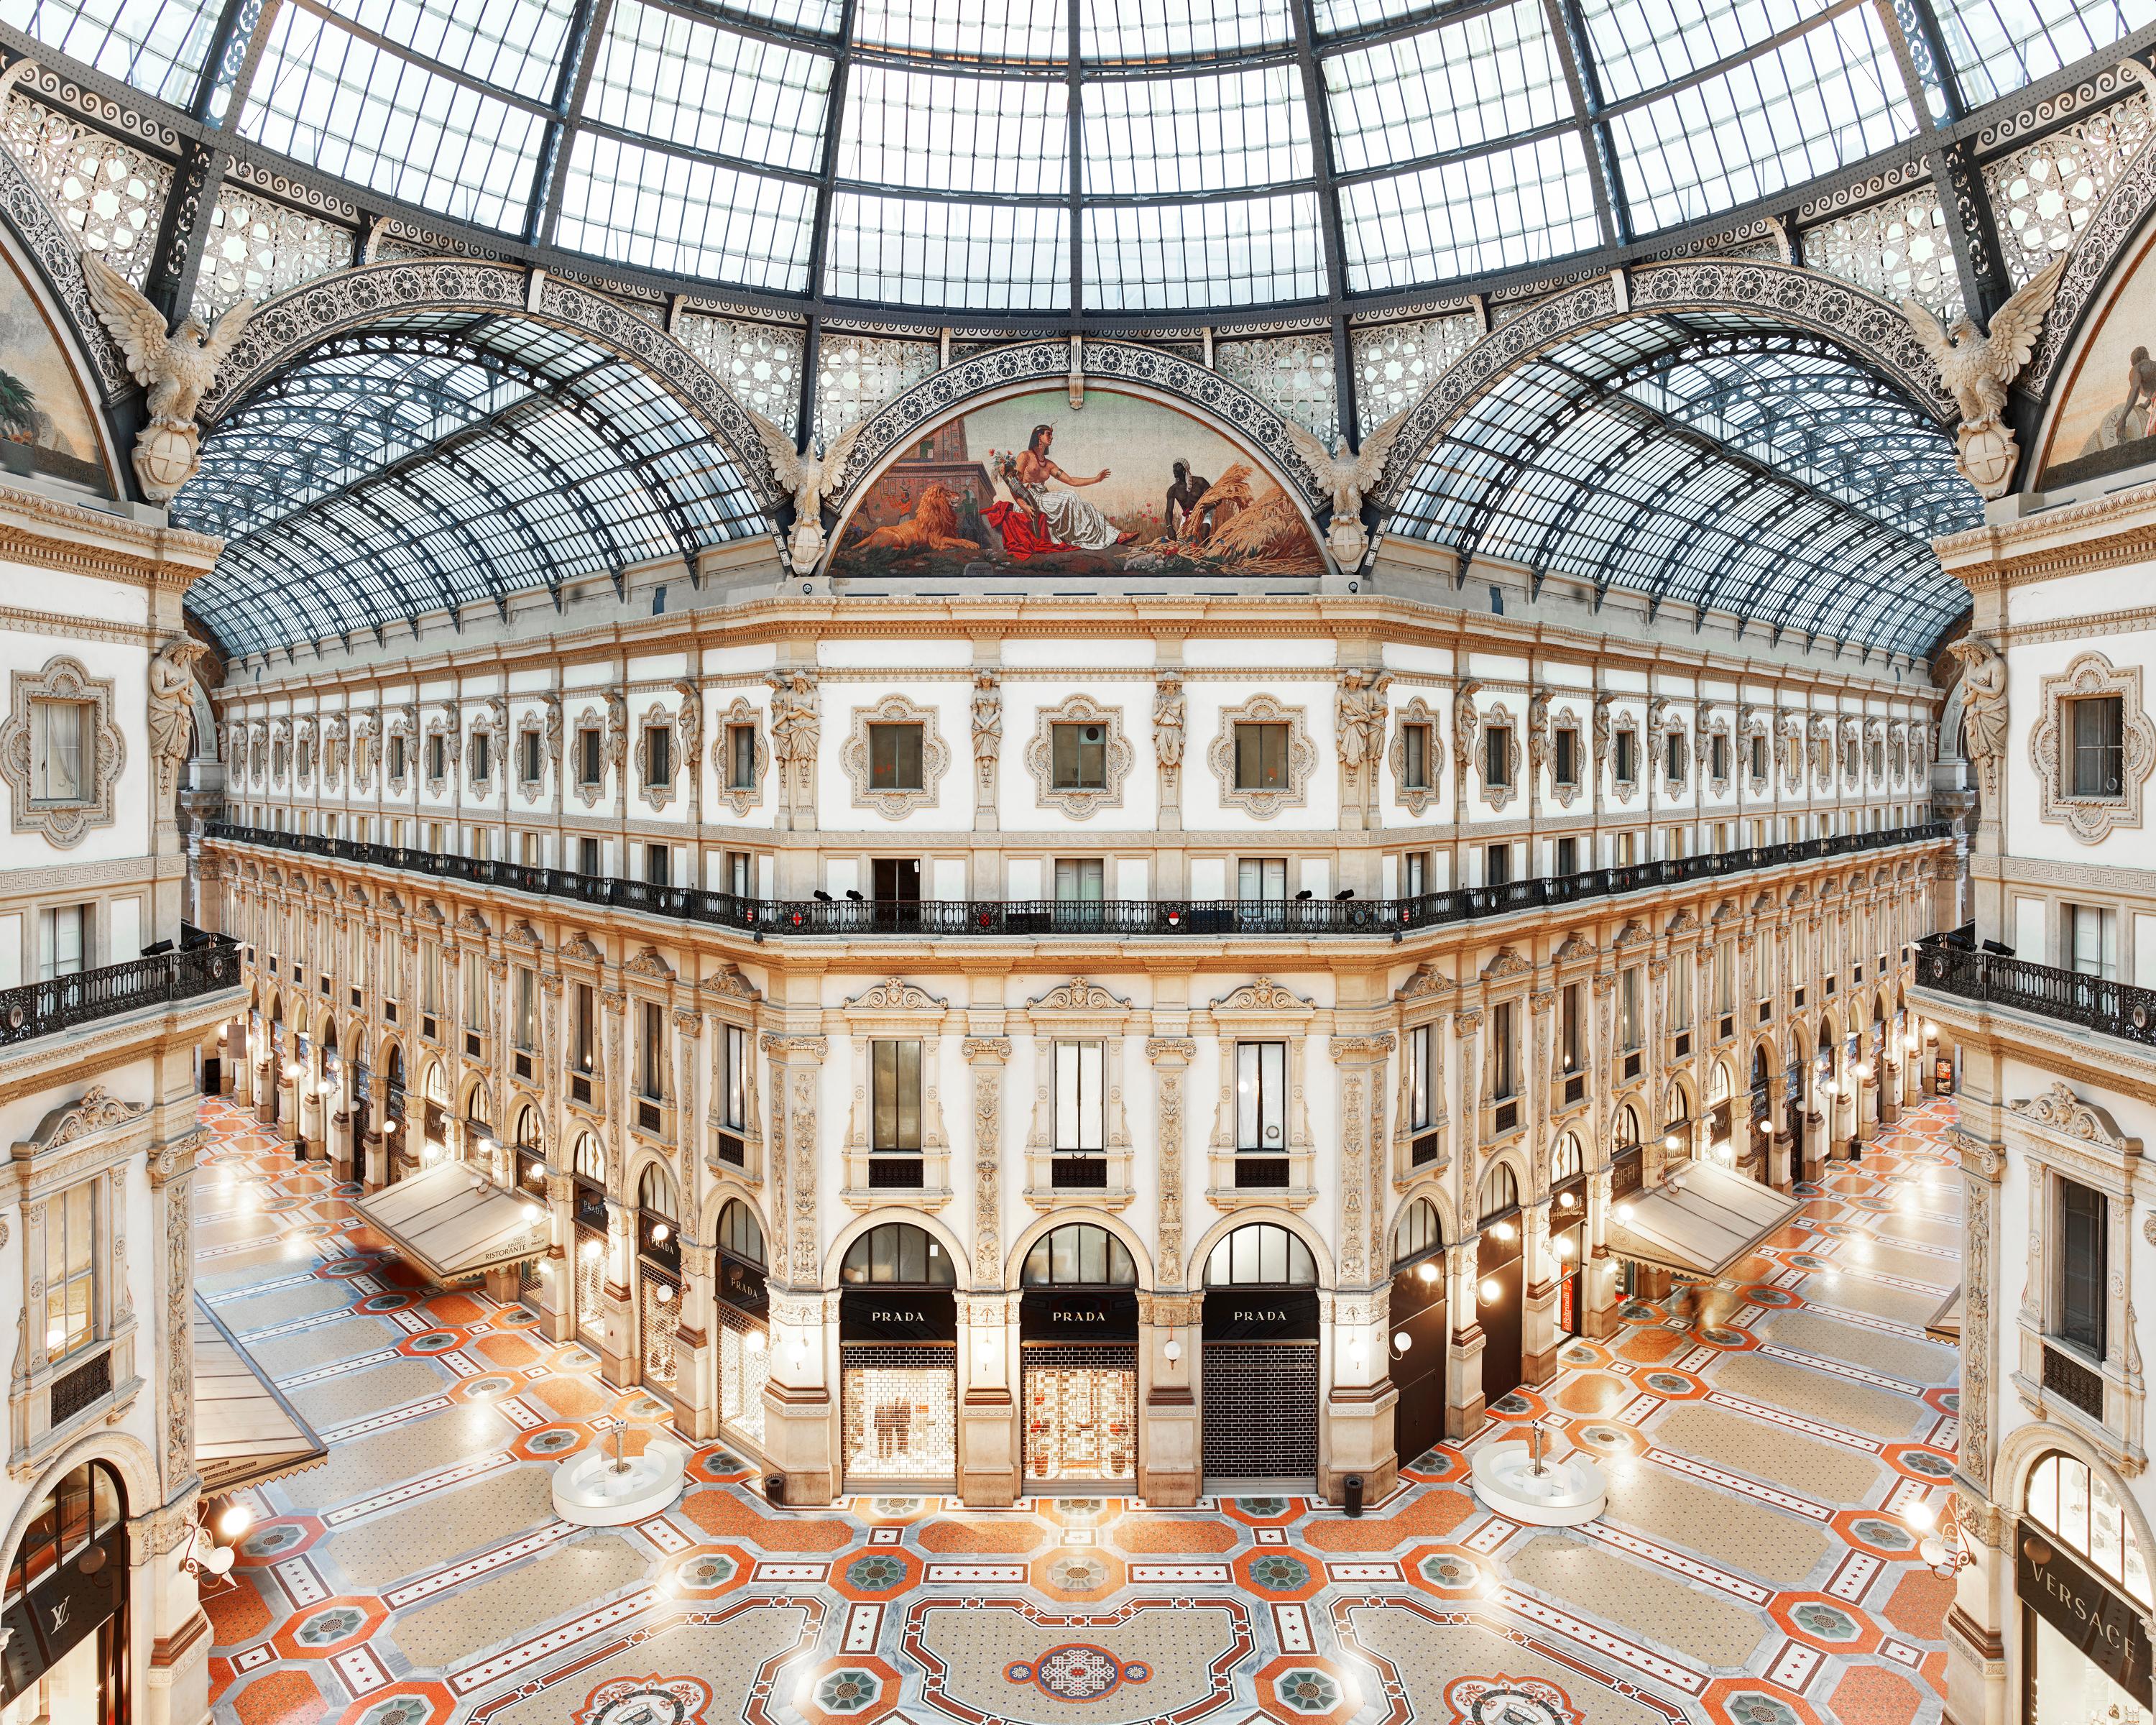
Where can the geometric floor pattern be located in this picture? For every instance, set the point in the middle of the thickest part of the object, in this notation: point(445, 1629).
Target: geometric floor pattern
point(1754, 1567)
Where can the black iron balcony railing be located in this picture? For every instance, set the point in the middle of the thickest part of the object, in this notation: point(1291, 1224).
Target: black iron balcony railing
point(1116, 918)
point(1953, 964)
point(203, 964)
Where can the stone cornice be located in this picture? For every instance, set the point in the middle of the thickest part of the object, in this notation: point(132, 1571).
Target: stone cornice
point(48, 534)
point(2106, 532)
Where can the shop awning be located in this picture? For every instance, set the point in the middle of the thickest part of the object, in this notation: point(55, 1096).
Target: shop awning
point(1945, 1325)
point(454, 1223)
point(1699, 1221)
point(245, 1431)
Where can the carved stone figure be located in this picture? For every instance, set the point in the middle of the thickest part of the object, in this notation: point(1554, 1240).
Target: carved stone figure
point(806, 474)
point(1603, 704)
point(1466, 726)
point(1984, 711)
point(171, 704)
point(1538, 729)
point(1359, 716)
point(550, 705)
point(1978, 367)
point(689, 725)
point(178, 368)
point(1347, 476)
point(1167, 721)
point(616, 743)
point(988, 719)
point(794, 722)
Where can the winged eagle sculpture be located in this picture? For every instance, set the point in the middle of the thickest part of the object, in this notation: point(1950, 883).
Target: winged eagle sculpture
point(1348, 476)
point(808, 475)
point(1977, 367)
point(177, 367)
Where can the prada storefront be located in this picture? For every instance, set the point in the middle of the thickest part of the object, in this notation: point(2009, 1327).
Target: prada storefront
point(1078, 1349)
point(1257, 1372)
point(898, 1360)
point(2083, 1583)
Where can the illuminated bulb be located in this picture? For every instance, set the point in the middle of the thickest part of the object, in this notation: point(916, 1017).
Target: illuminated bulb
point(434, 1153)
point(1670, 1142)
point(1564, 1247)
point(1921, 1516)
point(1504, 1230)
point(1489, 1293)
point(591, 1248)
point(1402, 1342)
point(659, 1232)
point(753, 1342)
point(1428, 1272)
point(1623, 1212)
point(1566, 1201)
point(291, 1069)
point(662, 1294)
point(531, 1212)
point(236, 1519)
point(1171, 1351)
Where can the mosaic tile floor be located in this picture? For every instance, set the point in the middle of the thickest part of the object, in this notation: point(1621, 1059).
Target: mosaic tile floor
point(1753, 1568)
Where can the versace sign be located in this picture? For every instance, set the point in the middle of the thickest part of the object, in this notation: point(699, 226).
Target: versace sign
point(2104, 1625)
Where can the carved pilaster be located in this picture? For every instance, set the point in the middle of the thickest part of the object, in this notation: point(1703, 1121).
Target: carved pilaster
point(795, 1064)
point(1360, 1060)
point(986, 1055)
point(1171, 1056)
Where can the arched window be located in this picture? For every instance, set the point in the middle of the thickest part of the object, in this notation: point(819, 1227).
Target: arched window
point(898, 1254)
point(657, 1238)
point(1260, 1255)
point(527, 1128)
point(1628, 1127)
point(1418, 1234)
point(1078, 1254)
point(2079, 1510)
point(436, 1089)
point(1717, 1083)
point(655, 1194)
point(82, 1506)
point(1566, 1161)
point(1501, 1194)
point(590, 1163)
point(741, 1236)
point(1759, 1068)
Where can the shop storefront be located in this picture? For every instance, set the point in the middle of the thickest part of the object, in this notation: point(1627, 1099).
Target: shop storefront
point(1627, 1175)
point(1078, 1349)
point(658, 1280)
point(65, 1611)
point(394, 1105)
point(898, 1361)
point(742, 1305)
point(1568, 1230)
point(1419, 1332)
point(1259, 1367)
point(2084, 1587)
point(588, 1195)
point(1500, 1284)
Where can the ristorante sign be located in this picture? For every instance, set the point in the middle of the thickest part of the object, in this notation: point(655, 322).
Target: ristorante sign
point(2107, 1628)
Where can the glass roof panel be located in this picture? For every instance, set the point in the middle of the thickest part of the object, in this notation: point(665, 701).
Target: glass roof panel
point(1121, 31)
point(1497, 211)
point(339, 103)
point(942, 133)
point(1817, 102)
point(1997, 46)
point(988, 30)
point(656, 210)
point(1199, 133)
point(665, 75)
point(921, 252)
point(1228, 252)
point(511, 44)
point(813, 17)
point(1641, 45)
point(156, 45)
point(1467, 82)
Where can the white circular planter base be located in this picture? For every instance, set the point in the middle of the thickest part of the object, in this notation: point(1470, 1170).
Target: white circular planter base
point(1562, 1495)
point(589, 1491)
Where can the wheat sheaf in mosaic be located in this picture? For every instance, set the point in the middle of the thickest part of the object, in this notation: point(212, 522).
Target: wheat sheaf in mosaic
point(1755, 1567)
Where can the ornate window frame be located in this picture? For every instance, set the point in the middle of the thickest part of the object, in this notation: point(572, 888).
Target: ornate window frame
point(896, 1010)
point(1078, 803)
point(303, 754)
point(1752, 723)
point(896, 709)
point(1414, 799)
point(1301, 756)
point(592, 793)
point(335, 727)
point(1623, 790)
point(729, 1001)
point(437, 783)
point(1662, 726)
point(481, 784)
point(743, 711)
point(1707, 724)
point(656, 797)
point(531, 724)
point(280, 751)
point(1262, 1011)
point(2091, 819)
point(1079, 1010)
point(63, 824)
point(1565, 718)
point(1426, 1001)
point(1494, 717)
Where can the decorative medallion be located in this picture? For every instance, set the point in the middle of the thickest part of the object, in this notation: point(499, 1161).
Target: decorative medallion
point(1076, 1671)
point(1509, 1700)
point(646, 1701)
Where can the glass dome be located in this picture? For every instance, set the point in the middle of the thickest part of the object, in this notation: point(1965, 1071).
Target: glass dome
point(1087, 157)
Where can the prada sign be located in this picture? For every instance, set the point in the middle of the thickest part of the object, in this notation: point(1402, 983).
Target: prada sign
point(866, 1317)
point(2103, 1624)
point(1262, 1315)
point(1101, 1315)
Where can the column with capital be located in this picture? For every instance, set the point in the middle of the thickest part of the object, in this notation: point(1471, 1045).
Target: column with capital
point(801, 1415)
point(1984, 1613)
point(1539, 1269)
point(1597, 1271)
point(1360, 1400)
point(1170, 1462)
point(1654, 1153)
point(614, 1328)
point(1464, 1404)
point(990, 1458)
point(696, 1349)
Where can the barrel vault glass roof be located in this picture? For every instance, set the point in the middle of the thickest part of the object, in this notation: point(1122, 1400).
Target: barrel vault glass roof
point(1077, 157)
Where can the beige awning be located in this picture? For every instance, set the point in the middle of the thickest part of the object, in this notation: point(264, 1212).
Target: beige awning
point(1698, 1222)
point(1945, 1325)
point(454, 1223)
point(245, 1431)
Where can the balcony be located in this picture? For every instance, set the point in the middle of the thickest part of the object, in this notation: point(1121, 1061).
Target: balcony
point(1952, 964)
point(1118, 919)
point(204, 964)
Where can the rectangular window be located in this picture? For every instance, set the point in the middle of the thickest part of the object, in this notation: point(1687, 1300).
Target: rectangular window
point(1628, 756)
point(1758, 747)
point(2091, 941)
point(1567, 769)
point(1628, 849)
point(62, 933)
point(2083, 1244)
point(1570, 1045)
point(896, 880)
point(651, 1051)
point(482, 757)
point(527, 1009)
point(1673, 754)
point(529, 764)
point(2099, 747)
point(70, 1270)
point(734, 1078)
point(1414, 757)
point(582, 1037)
point(895, 758)
point(528, 849)
point(1262, 758)
point(658, 864)
point(436, 841)
point(1420, 1052)
point(1080, 1093)
point(397, 757)
point(1262, 878)
point(1497, 865)
point(588, 770)
point(589, 862)
point(738, 869)
point(741, 758)
point(1725, 977)
point(1628, 1007)
point(896, 1088)
point(1078, 757)
point(1567, 857)
point(1498, 756)
point(1081, 879)
point(658, 757)
point(1680, 991)
point(482, 843)
point(474, 994)
point(1415, 874)
point(1717, 755)
point(1504, 1053)
point(430, 979)
point(437, 757)
point(1261, 1097)
point(307, 757)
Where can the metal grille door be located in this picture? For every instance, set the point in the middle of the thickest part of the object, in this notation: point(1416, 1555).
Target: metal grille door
point(1260, 1409)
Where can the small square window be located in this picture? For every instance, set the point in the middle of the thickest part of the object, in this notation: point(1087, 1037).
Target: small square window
point(2099, 749)
point(1261, 757)
point(1079, 757)
point(61, 748)
point(895, 758)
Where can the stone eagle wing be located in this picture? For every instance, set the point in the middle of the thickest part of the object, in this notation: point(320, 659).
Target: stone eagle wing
point(137, 326)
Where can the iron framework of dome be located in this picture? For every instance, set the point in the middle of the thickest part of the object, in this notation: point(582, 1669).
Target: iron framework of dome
point(1334, 196)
